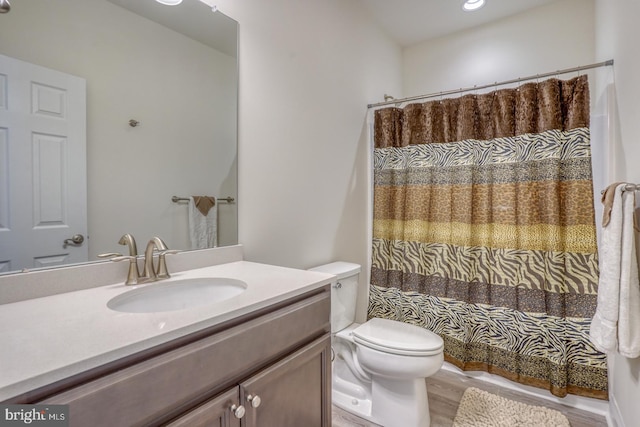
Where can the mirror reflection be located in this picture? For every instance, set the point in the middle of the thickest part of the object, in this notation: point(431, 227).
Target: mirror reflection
point(160, 120)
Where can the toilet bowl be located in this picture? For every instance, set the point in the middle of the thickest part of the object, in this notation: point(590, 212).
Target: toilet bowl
point(380, 366)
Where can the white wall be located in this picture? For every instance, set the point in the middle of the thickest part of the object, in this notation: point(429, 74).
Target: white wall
point(548, 38)
point(617, 33)
point(136, 69)
point(308, 69)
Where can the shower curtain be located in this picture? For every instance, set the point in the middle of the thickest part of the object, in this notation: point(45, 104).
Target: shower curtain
point(484, 231)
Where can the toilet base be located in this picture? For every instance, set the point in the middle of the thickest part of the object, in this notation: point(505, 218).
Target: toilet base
point(348, 393)
point(400, 403)
point(358, 407)
point(397, 403)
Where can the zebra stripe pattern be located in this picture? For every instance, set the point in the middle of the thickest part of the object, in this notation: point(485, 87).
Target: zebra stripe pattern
point(552, 144)
point(538, 301)
point(558, 272)
point(502, 338)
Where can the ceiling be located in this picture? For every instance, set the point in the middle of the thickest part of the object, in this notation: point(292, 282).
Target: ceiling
point(194, 19)
point(412, 21)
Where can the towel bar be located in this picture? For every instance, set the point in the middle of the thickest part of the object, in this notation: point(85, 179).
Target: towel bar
point(628, 187)
point(176, 199)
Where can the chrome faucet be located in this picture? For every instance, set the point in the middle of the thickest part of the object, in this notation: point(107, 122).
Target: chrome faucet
point(151, 273)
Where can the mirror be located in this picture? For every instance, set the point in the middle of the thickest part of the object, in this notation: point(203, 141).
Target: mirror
point(161, 111)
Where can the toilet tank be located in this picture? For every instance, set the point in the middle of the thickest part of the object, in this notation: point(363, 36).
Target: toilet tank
point(344, 292)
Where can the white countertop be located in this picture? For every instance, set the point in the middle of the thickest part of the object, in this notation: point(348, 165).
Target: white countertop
point(47, 339)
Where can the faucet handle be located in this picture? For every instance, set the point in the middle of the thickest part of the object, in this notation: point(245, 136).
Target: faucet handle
point(133, 275)
point(109, 255)
point(123, 258)
point(162, 271)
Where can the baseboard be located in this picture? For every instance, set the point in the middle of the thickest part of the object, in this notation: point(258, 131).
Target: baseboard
point(614, 417)
point(596, 406)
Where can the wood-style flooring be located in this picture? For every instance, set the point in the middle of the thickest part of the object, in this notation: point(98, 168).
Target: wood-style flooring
point(445, 390)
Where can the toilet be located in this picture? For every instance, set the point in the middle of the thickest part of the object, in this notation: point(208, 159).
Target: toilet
point(378, 367)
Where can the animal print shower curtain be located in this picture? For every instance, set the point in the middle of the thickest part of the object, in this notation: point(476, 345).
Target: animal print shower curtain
point(484, 231)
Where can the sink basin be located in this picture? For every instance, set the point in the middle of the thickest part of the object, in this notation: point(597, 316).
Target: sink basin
point(177, 295)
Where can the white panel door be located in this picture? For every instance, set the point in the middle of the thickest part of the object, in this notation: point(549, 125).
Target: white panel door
point(43, 189)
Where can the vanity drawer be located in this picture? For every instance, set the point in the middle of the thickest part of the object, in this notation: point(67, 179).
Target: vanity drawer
point(166, 385)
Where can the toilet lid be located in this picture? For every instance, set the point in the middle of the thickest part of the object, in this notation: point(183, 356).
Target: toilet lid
point(397, 337)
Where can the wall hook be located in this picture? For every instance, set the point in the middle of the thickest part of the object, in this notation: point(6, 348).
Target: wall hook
point(133, 123)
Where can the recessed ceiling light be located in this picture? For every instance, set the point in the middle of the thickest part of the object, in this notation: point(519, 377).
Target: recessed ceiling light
point(172, 2)
point(471, 5)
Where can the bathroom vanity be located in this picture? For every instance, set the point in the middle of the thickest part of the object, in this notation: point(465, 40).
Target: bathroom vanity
point(261, 358)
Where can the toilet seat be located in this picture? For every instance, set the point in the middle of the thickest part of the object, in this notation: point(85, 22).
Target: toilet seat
point(400, 338)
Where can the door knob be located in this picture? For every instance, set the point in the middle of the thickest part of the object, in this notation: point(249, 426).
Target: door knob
point(75, 240)
point(254, 400)
point(238, 411)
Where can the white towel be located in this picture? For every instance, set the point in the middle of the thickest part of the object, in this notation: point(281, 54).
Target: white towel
point(203, 229)
point(616, 323)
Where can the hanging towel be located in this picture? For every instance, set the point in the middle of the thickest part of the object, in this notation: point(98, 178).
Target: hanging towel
point(203, 222)
point(616, 323)
point(607, 201)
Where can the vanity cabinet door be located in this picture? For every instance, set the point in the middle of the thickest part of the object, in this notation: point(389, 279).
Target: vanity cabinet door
point(222, 411)
point(294, 392)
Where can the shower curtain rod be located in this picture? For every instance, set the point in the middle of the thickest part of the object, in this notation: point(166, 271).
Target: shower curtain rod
point(506, 82)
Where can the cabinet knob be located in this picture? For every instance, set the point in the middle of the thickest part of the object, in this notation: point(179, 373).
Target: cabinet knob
point(238, 411)
point(255, 400)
